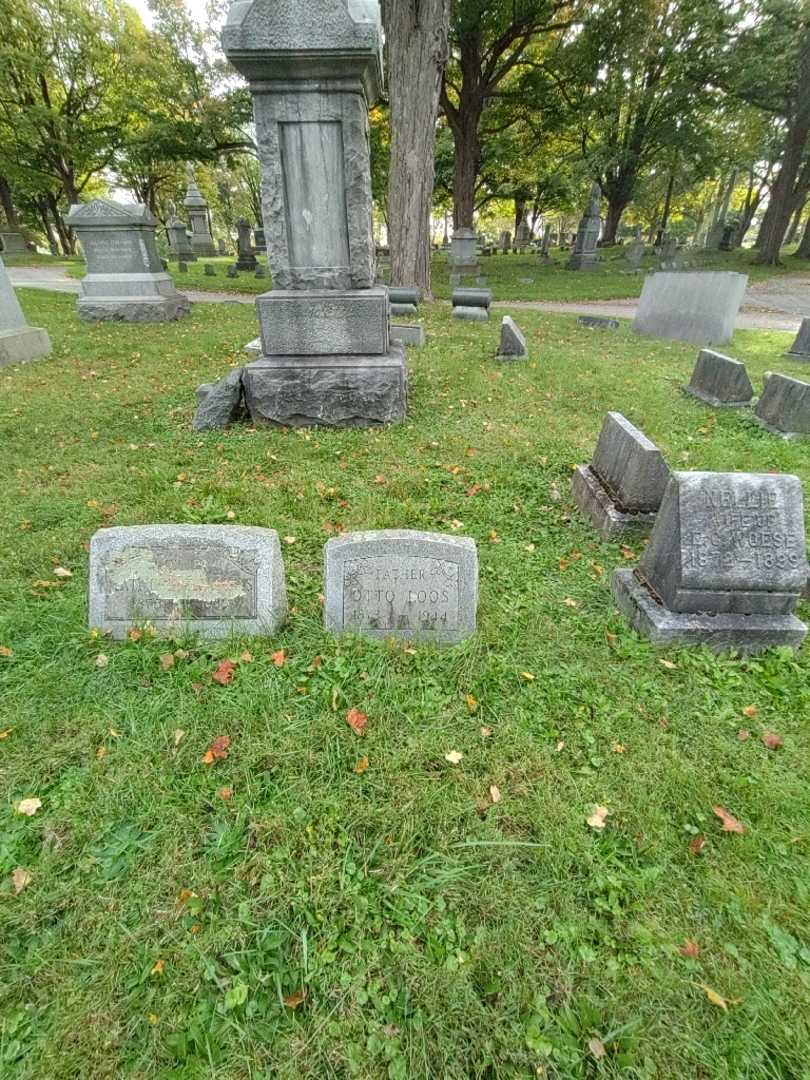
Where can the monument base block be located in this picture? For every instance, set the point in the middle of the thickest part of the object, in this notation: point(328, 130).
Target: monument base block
point(328, 391)
point(137, 309)
point(594, 501)
point(721, 633)
point(23, 345)
point(471, 314)
point(408, 334)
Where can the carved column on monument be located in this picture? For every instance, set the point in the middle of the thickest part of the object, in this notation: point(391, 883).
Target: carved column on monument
point(314, 69)
point(202, 241)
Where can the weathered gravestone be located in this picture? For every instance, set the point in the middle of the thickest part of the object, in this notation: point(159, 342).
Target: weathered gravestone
point(513, 343)
point(202, 242)
point(584, 256)
point(314, 69)
point(523, 236)
point(784, 407)
point(209, 579)
point(259, 240)
point(403, 584)
point(597, 322)
point(219, 403)
point(543, 253)
point(210, 270)
point(404, 301)
point(634, 252)
point(506, 242)
point(720, 381)
point(19, 342)
point(245, 255)
point(408, 334)
point(179, 243)
point(125, 279)
point(472, 304)
point(725, 565)
point(696, 306)
point(12, 241)
point(463, 257)
point(232, 271)
point(222, 247)
point(800, 349)
point(621, 490)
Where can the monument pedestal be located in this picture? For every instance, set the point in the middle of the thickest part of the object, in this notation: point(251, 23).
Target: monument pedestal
point(22, 345)
point(144, 298)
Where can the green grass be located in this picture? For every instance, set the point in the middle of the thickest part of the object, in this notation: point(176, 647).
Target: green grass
point(436, 934)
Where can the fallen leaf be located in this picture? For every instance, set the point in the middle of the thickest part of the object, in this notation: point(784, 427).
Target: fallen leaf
point(102, 660)
point(618, 748)
point(560, 746)
point(101, 752)
point(28, 807)
point(62, 572)
point(697, 844)
point(159, 967)
point(135, 634)
point(356, 720)
point(453, 756)
point(714, 997)
point(597, 818)
point(472, 703)
point(280, 658)
point(6, 651)
point(772, 741)
point(225, 793)
point(152, 1018)
point(361, 766)
point(494, 793)
point(20, 879)
point(246, 657)
point(750, 711)
point(185, 895)
point(570, 602)
point(296, 999)
point(290, 539)
point(668, 664)
point(486, 732)
point(690, 949)
point(743, 735)
point(178, 736)
point(730, 823)
point(115, 734)
point(5, 734)
point(380, 479)
point(167, 661)
point(218, 750)
point(527, 675)
point(224, 672)
point(597, 1048)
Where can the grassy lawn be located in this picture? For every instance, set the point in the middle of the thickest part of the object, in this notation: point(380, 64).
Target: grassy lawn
point(283, 913)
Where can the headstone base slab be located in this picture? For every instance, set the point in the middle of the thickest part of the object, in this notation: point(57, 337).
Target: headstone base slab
point(714, 402)
point(23, 345)
point(471, 314)
point(746, 634)
point(409, 334)
point(138, 309)
point(583, 262)
point(786, 436)
point(594, 502)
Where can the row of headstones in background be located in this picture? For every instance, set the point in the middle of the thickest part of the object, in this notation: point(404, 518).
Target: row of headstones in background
point(472, 304)
point(720, 381)
point(19, 342)
point(216, 580)
point(700, 307)
point(125, 278)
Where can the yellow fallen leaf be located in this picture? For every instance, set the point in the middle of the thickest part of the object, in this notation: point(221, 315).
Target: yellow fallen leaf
point(618, 748)
point(159, 968)
point(178, 736)
point(472, 703)
point(667, 664)
point(102, 660)
point(115, 734)
point(453, 756)
point(152, 1018)
point(560, 746)
point(246, 657)
point(28, 807)
point(570, 602)
point(101, 752)
point(714, 997)
point(6, 651)
point(527, 675)
point(598, 816)
point(5, 734)
point(361, 766)
point(62, 572)
point(750, 711)
point(20, 879)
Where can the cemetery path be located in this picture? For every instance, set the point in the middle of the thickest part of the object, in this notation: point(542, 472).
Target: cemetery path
point(775, 304)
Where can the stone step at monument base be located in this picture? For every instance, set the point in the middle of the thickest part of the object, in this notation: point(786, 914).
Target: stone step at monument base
point(328, 391)
point(409, 334)
point(137, 309)
point(721, 633)
point(23, 345)
point(595, 502)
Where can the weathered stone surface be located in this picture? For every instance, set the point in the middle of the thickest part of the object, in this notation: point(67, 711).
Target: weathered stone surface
point(19, 342)
point(12, 241)
point(800, 349)
point(400, 294)
point(598, 322)
point(725, 565)
point(464, 251)
point(333, 391)
point(784, 407)
point(219, 403)
point(585, 255)
point(621, 490)
point(404, 311)
point(402, 584)
point(208, 579)
point(202, 242)
point(720, 381)
point(513, 343)
point(232, 271)
point(696, 306)
point(125, 279)
point(634, 252)
point(472, 305)
point(408, 334)
point(324, 322)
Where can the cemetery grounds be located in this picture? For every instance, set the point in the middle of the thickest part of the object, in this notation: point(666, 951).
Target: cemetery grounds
point(434, 897)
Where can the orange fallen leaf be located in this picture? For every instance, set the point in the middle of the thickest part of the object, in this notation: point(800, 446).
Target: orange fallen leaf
point(730, 823)
point(135, 634)
point(20, 879)
point(296, 999)
point(598, 817)
point(697, 844)
point(356, 720)
point(690, 949)
point(750, 711)
point(361, 766)
point(225, 793)
point(224, 673)
point(6, 651)
point(772, 741)
point(218, 750)
point(472, 703)
point(185, 895)
point(280, 658)
point(28, 807)
point(159, 967)
point(167, 661)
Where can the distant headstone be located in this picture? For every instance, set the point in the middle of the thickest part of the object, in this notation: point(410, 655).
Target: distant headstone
point(622, 488)
point(19, 342)
point(261, 272)
point(232, 271)
point(125, 280)
point(463, 253)
point(696, 306)
point(598, 322)
point(725, 565)
point(222, 247)
point(213, 580)
point(728, 239)
point(720, 381)
point(202, 242)
point(259, 240)
point(245, 255)
point(179, 241)
point(800, 349)
point(669, 252)
point(182, 267)
point(584, 255)
point(784, 407)
point(513, 343)
point(472, 304)
point(634, 252)
point(210, 270)
point(523, 235)
point(544, 250)
point(506, 242)
point(408, 334)
point(402, 584)
point(12, 241)
point(219, 403)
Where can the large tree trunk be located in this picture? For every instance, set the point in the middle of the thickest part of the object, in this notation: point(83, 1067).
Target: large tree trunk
point(668, 202)
point(795, 222)
point(416, 33)
point(617, 204)
point(7, 202)
point(520, 212)
point(66, 236)
point(464, 120)
point(804, 247)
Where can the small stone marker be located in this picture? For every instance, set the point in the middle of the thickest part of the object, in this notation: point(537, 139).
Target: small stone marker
point(19, 342)
point(246, 256)
point(404, 301)
point(232, 271)
point(784, 407)
point(622, 488)
point(720, 381)
point(210, 270)
point(800, 349)
point(725, 565)
point(408, 334)
point(208, 579)
point(696, 306)
point(261, 272)
point(182, 267)
point(402, 584)
point(12, 241)
point(472, 304)
point(513, 343)
point(597, 322)
point(219, 403)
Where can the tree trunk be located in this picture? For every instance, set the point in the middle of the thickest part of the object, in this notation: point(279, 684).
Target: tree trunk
point(520, 211)
point(795, 222)
point(464, 120)
point(804, 246)
point(7, 202)
point(42, 210)
point(616, 207)
point(66, 237)
point(416, 33)
point(668, 202)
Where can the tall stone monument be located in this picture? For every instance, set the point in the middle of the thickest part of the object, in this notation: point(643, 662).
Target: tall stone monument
point(584, 256)
point(125, 279)
point(245, 253)
point(202, 242)
point(19, 342)
point(314, 69)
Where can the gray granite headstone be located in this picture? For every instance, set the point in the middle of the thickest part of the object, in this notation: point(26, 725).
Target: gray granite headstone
point(245, 254)
point(12, 241)
point(725, 565)
point(232, 271)
point(19, 342)
point(210, 270)
point(621, 490)
point(784, 407)
point(472, 304)
point(597, 322)
point(125, 279)
point(214, 580)
point(408, 333)
point(464, 252)
point(720, 381)
point(800, 349)
point(219, 403)
point(585, 255)
point(202, 242)
point(513, 343)
point(179, 243)
point(697, 306)
point(402, 584)
point(634, 252)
